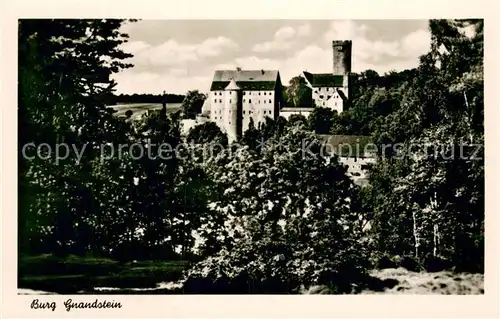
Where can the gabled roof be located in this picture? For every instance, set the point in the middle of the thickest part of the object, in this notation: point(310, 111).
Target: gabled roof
point(245, 79)
point(245, 75)
point(324, 79)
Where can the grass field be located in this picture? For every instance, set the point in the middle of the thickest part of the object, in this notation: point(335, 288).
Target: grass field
point(74, 274)
point(140, 108)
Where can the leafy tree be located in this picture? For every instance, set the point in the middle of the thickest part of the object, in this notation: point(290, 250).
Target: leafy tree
point(439, 193)
point(206, 133)
point(192, 104)
point(321, 120)
point(297, 119)
point(64, 79)
point(252, 136)
point(282, 219)
point(297, 93)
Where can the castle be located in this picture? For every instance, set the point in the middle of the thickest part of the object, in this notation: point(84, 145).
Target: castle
point(238, 96)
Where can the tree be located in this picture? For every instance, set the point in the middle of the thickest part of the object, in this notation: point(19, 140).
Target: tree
point(192, 104)
point(297, 93)
point(281, 219)
point(251, 136)
point(296, 120)
point(321, 120)
point(64, 82)
point(436, 187)
point(206, 133)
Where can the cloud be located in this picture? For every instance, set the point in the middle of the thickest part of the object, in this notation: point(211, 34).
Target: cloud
point(135, 46)
point(304, 30)
point(177, 67)
point(284, 33)
point(311, 58)
point(215, 46)
point(283, 40)
point(171, 52)
point(380, 55)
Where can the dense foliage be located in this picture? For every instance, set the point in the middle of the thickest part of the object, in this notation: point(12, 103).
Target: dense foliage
point(282, 218)
point(192, 104)
point(269, 213)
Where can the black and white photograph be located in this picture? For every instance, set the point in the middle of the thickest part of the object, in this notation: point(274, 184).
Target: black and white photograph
point(277, 156)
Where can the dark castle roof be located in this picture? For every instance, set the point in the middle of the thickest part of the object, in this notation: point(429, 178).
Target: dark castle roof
point(324, 79)
point(245, 79)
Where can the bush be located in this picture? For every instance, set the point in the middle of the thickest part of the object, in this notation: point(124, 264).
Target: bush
point(410, 263)
point(283, 220)
point(435, 264)
point(385, 262)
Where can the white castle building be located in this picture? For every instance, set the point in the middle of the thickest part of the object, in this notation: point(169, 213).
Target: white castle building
point(236, 96)
point(330, 90)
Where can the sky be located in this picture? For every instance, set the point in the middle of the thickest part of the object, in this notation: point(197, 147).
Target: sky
point(180, 55)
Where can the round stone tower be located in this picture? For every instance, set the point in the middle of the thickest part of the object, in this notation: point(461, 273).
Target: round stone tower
point(233, 111)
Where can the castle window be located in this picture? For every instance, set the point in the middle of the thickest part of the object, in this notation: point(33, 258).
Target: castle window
point(264, 101)
point(220, 101)
point(259, 93)
point(244, 93)
point(229, 100)
point(243, 112)
point(249, 101)
point(244, 100)
point(264, 93)
point(321, 96)
point(215, 101)
point(270, 101)
point(264, 111)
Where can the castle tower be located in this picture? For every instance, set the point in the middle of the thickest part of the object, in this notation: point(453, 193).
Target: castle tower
point(342, 51)
point(342, 54)
point(233, 111)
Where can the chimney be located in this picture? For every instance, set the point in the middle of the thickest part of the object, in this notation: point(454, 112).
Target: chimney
point(263, 72)
point(238, 69)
